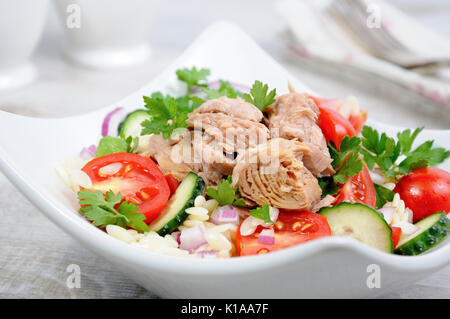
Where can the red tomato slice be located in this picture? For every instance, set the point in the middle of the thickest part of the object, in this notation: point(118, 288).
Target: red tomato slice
point(358, 189)
point(139, 180)
point(425, 191)
point(396, 233)
point(357, 120)
point(334, 126)
point(291, 228)
point(172, 182)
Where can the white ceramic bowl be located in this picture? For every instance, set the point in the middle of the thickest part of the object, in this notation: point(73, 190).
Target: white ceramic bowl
point(21, 25)
point(30, 149)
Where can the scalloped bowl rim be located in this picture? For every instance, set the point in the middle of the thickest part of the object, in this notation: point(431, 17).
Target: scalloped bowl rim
point(100, 242)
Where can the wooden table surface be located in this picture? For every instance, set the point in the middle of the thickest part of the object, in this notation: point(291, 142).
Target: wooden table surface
point(35, 254)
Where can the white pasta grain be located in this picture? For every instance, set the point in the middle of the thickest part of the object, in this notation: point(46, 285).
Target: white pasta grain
point(217, 241)
point(192, 223)
point(200, 201)
point(211, 205)
point(120, 233)
point(200, 211)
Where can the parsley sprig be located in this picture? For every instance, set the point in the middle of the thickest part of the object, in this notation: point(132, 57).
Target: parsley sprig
point(262, 212)
point(398, 158)
point(111, 144)
point(346, 162)
point(100, 209)
point(167, 114)
point(193, 77)
point(259, 97)
point(225, 89)
point(225, 194)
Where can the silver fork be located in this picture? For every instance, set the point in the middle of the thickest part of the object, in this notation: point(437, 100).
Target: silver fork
point(352, 14)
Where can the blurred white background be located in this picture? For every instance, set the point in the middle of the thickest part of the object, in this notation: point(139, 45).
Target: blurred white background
point(65, 89)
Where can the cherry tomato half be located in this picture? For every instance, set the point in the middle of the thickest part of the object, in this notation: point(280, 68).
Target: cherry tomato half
point(357, 119)
point(425, 191)
point(334, 126)
point(358, 189)
point(137, 178)
point(291, 228)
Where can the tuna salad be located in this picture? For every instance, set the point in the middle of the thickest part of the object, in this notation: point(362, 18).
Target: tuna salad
point(225, 170)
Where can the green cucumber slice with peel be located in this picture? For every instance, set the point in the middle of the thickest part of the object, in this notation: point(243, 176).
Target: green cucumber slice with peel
point(432, 230)
point(131, 126)
point(174, 213)
point(360, 222)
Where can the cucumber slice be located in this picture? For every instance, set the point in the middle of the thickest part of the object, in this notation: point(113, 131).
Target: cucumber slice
point(131, 126)
point(360, 222)
point(432, 230)
point(174, 214)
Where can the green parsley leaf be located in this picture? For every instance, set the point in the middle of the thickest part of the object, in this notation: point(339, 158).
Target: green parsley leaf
point(99, 209)
point(132, 143)
point(259, 96)
point(166, 115)
point(385, 152)
point(193, 77)
point(352, 166)
point(406, 139)
point(225, 89)
point(135, 219)
point(225, 194)
point(348, 146)
point(383, 195)
point(328, 186)
point(110, 145)
point(346, 161)
point(187, 104)
point(262, 212)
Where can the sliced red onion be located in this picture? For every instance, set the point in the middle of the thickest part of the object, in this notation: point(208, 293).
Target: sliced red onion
point(378, 177)
point(107, 120)
point(192, 238)
point(110, 169)
point(409, 215)
point(92, 149)
point(88, 152)
point(407, 228)
point(388, 213)
point(267, 237)
point(225, 215)
point(208, 254)
point(176, 236)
